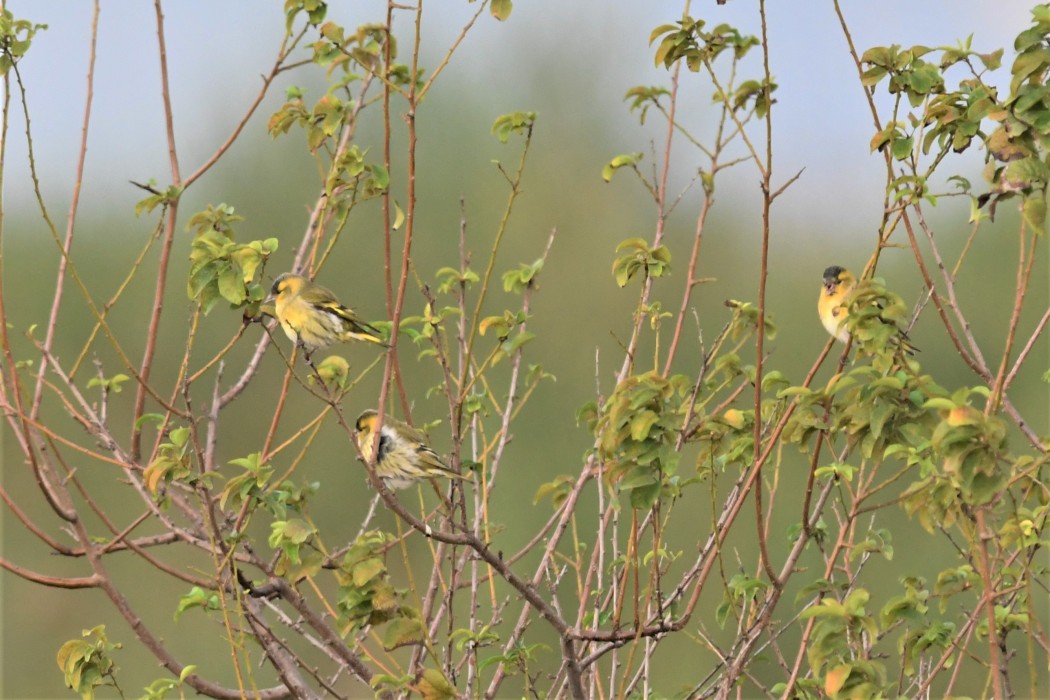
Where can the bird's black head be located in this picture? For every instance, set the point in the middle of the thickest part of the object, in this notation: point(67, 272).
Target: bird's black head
point(276, 288)
point(832, 273)
point(288, 283)
point(367, 420)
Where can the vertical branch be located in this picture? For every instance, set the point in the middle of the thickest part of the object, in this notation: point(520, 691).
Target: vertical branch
point(503, 437)
point(387, 197)
point(982, 536)
point(169, 235)
point(54, 493)
point(390, 366)
point(71, 219)
point(690, 280)
point(387, 163)
point(767, 200)
point(661, 214)
point(999, 385)
point(515, 190)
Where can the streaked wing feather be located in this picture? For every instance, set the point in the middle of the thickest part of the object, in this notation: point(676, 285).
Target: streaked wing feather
point(431, 458)
point(350, 320)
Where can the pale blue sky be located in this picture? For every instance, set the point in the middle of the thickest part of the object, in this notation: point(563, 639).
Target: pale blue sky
point(217, 50)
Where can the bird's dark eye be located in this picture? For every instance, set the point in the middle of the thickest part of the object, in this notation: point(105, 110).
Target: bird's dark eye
point(276, 288)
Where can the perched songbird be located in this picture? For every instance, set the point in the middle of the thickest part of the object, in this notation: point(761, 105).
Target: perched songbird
point(312, 317)
point(838, 283)
point(403, 458)
point(840, 291)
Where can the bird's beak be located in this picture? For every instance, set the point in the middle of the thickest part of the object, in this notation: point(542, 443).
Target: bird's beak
point(829, 285)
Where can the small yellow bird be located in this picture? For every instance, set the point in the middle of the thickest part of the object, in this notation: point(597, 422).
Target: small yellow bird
point(403, 457)
point(834, 308)
point(313, 318)
point(838, 283)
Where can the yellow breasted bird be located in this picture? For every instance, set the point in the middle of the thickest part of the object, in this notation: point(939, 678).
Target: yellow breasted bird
point(312, 317)
point(403, 457)
point(834, 307)
point(838, 283)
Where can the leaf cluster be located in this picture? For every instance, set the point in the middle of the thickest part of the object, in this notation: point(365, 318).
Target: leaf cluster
point(367, 596)
point(221, 268)
point(637, 430)
point(87, 663)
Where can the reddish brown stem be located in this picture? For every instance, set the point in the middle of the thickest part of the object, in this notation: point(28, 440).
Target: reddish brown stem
point(72, 217)
point(169, 237)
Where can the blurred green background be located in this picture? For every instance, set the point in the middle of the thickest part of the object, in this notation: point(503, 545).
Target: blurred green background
point(571, 63)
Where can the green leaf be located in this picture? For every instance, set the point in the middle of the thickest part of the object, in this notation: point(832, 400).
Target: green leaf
point(367, 570)
point(620, 161)
point(879, 140)
point(902, 148)
point(334, 370)
point(1031, 62)
point(148, 418)
point(516, 122)
point(722, 613)
point(295, 530)
point(86, 663)
point(1035, 211)
point(773, 379)
point(497, 322)
point(872, 76)
point(641, 423)
point(197, 598)
point(558, 490)
point(643, 497)
point(231, 287)
point(179, 436)
point(992, 60)
point(402, 631)
point(794, 391)
point(509, 346)
point(500, 9)
point(380, 179)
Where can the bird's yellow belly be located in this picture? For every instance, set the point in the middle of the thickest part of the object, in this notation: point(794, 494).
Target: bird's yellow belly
point(314, 329)
point(289, 331)
point(834, 323)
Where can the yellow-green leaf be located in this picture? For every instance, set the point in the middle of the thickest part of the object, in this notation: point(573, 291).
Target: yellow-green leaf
point(500, 9)
point(402, 632)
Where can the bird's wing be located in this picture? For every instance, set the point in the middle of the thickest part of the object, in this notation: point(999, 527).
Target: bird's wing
point(321, 296)
point(350, 317)
point(425, 453)
point(431, 458)
point(406, 430)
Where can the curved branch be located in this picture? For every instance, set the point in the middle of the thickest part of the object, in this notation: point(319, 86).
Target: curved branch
point(52, 581)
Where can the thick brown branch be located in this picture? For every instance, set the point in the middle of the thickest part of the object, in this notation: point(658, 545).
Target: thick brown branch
point(52, 581)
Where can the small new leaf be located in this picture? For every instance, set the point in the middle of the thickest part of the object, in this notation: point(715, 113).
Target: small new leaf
point(515, 122)
point(620, 161)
